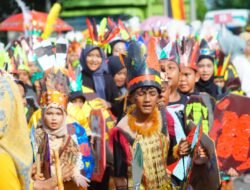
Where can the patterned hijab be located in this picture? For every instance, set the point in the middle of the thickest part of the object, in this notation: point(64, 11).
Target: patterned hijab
point(14, 133)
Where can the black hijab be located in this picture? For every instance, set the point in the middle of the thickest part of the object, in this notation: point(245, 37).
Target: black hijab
point(208, 87)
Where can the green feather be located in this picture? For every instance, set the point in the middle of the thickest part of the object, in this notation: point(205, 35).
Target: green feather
point(137, 166)
point(102, 27)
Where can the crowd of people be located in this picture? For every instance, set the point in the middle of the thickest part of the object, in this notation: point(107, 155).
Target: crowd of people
point(117, 110)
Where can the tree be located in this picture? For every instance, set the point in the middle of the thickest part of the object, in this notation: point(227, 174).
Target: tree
point(229, 4)
point(201, 9)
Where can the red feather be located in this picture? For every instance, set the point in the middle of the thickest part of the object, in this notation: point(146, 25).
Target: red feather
point(111, 23)
point(152, 59)
point(194, 55)
point(111, 35)
point(90, 28)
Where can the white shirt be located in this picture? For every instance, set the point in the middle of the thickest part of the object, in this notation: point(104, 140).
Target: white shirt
point(242, 65)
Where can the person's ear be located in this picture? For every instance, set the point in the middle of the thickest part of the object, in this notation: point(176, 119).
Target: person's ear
point(132, 98)
point(197, 76)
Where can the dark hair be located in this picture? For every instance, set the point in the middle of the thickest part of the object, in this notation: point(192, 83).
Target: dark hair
point(145, 88)
point(205, 57)
point(19, 82)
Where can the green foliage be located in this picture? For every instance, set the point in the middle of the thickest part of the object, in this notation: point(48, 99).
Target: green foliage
point(227, 4)
point(201, 9)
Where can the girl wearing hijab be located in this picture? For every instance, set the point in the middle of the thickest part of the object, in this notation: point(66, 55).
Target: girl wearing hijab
point(53, 134)
point(95, 76)
point(206, 71)
point(119, 72)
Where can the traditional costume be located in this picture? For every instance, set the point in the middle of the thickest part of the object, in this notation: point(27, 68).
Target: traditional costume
point(140, 153)
point(70, 140)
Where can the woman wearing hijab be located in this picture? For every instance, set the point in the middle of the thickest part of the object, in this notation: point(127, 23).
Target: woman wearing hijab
point(95, 76)
point(15, 148)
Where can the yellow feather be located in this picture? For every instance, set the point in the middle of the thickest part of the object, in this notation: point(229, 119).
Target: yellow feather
point(51, 19)
point(225, 64)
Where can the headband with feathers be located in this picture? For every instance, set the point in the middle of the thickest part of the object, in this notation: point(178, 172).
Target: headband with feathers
point(102, 35)
point(51, 54)
point(220, 64)
point(190, 53)
point(143, 69)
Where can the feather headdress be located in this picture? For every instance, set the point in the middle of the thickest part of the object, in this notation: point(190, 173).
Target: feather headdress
point(51, 19)
point(102, 35)
point(221, 64)
point(205, 50)
point(143, 69)
point(55, 90)
point(190, 53)
point(52, 59)
point(51, 54)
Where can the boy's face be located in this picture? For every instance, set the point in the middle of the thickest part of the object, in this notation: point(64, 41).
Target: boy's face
point(173, 72)
point(146, 99)
point(165, 91)
point(188, 78)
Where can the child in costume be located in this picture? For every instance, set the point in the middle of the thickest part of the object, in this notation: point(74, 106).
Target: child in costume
point(53, 134)
point(140, 146)
point(205, 66)
point(188, 71)
point(118, 43)
point(119, 72)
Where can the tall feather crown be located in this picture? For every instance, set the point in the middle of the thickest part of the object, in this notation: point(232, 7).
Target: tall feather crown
point(143, 67)
point(52, 59)
point(190, 53)
point(102, 35)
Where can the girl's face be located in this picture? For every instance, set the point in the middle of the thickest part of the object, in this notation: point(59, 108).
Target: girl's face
point(94, 60)
point(23, 76)
point(53, 118)
point(120, 77)
point(206, 69)
point(119, 48)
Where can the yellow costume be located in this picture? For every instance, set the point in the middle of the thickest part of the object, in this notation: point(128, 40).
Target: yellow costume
point(15, 147)
point(80, 115)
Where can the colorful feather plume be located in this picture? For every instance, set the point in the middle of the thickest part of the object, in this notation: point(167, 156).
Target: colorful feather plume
point(221, 64)
point(104, 34)
point(51, 19)
point(51, 54)
point(152, 59)
point(190, 52)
